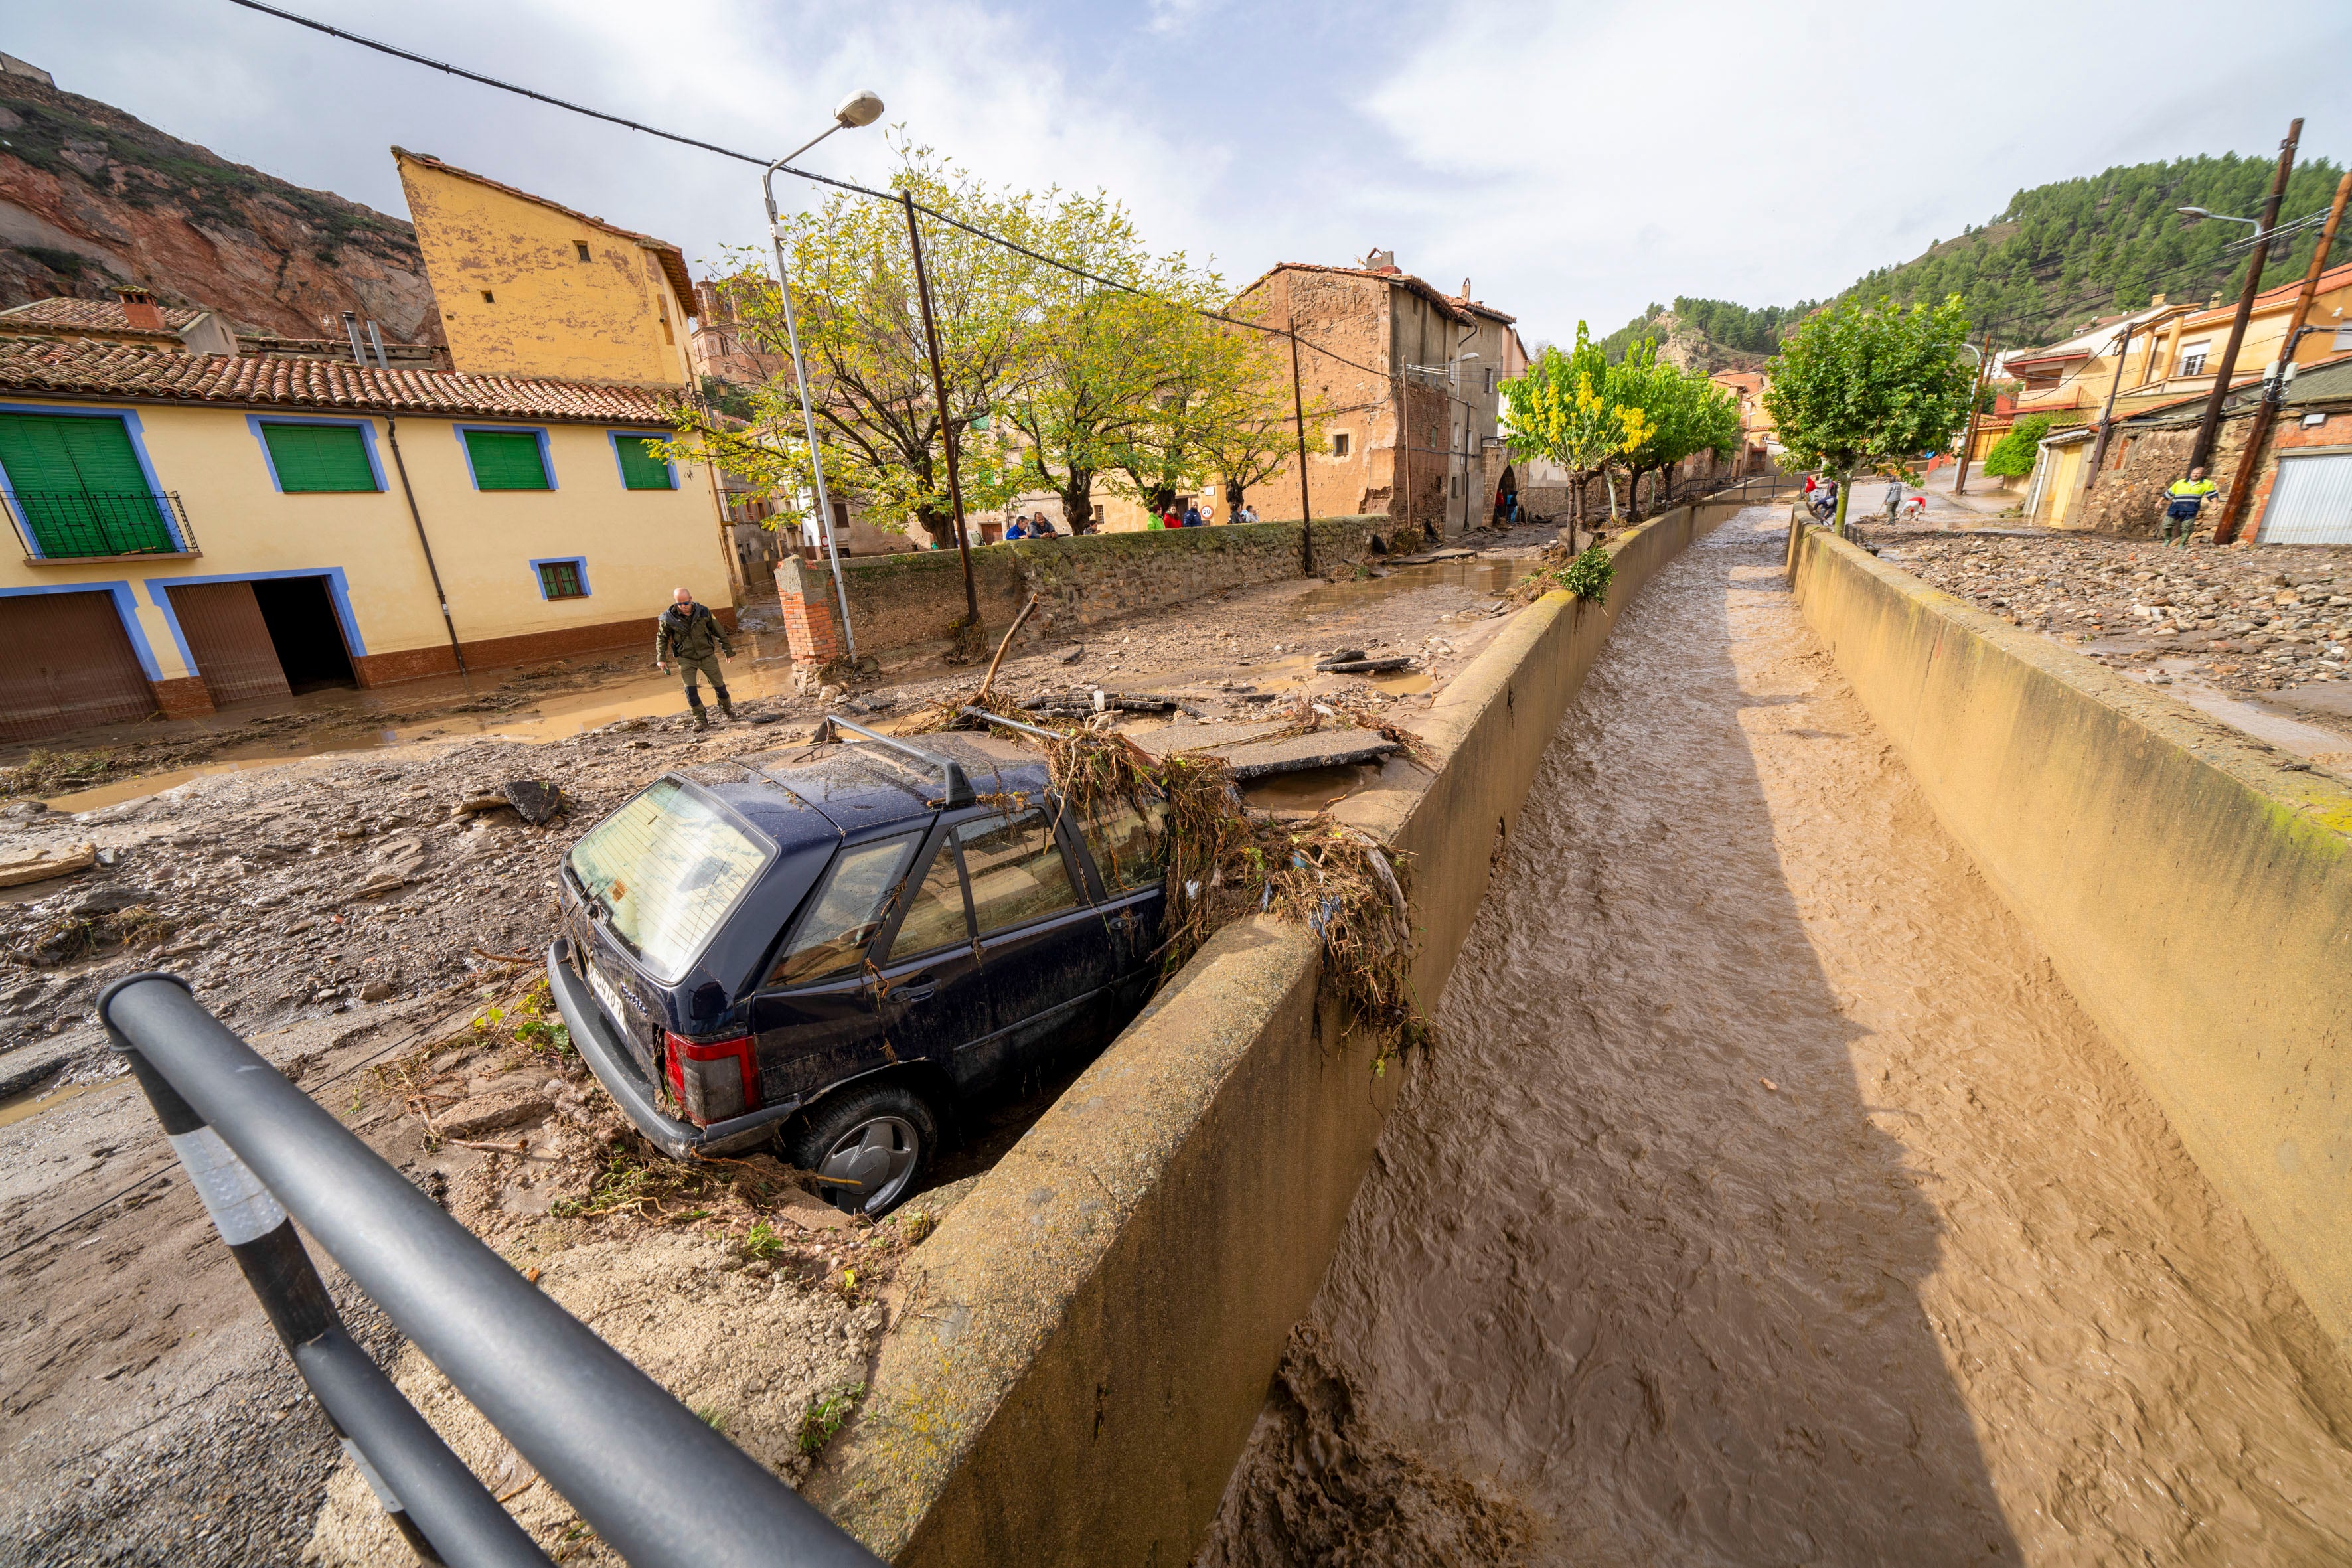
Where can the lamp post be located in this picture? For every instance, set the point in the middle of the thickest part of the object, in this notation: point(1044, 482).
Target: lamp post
point(858, 109)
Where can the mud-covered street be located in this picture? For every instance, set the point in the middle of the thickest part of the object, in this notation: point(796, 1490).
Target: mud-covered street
point(1768, 1199)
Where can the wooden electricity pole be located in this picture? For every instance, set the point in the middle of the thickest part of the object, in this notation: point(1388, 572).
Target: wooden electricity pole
point(1305, 507)
point(947, 428)
point(2200, 454)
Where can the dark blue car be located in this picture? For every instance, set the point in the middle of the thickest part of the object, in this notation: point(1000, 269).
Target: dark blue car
point(837, 946)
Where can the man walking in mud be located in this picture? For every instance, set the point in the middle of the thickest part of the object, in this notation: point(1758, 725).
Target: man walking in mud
point(691, 635)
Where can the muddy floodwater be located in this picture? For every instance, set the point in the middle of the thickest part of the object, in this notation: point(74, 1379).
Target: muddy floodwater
point(1770, 1201)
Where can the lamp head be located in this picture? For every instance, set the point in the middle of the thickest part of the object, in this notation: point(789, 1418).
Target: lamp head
point(862, 108)
point(2194, 214)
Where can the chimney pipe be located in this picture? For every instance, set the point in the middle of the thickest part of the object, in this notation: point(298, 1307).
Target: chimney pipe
point(382, 362)
point(351, 332)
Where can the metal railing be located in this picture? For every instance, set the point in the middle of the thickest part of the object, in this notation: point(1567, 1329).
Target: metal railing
point(645, 1473)
point(78, 525)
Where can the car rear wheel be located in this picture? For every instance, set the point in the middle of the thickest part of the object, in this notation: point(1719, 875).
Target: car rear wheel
point(874, 1144)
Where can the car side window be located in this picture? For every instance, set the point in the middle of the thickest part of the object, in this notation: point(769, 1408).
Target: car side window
point(935, 913)
point(1016, 869)
point(846, 913)
point(1125, 843)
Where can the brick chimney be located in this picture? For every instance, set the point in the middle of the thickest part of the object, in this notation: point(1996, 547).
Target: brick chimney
point(139, 311)
point(1380, 260)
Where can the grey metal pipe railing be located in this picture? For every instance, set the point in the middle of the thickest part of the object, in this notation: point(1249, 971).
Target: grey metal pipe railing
point(651, 1478)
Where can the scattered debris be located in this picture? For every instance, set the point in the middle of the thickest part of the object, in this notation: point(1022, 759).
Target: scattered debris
point(45, 866)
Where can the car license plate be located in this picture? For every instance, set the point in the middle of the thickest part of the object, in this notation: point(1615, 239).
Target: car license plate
point(609, 998)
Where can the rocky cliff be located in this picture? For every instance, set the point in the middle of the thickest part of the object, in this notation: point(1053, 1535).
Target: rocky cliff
point(92, 198)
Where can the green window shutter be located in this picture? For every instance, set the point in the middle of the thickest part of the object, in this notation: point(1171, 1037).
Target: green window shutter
point(560, 580)
point(77, 483)
point(506, 461)
point(640, 470)
point(318, 458)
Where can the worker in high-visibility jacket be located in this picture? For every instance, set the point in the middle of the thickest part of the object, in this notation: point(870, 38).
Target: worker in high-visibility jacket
point(2184, 499)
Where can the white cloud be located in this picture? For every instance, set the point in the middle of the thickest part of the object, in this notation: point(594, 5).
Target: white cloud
point(1573, 161)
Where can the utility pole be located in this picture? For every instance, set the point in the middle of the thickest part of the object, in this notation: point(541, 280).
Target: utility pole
point(2107, 414)
point(2275, 390)
point(1969, 442)
point(946, 428)
point(1305, 507)
point(2200, 455)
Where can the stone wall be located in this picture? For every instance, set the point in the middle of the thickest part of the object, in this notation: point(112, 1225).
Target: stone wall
point(2127, 495)
point(899, 602)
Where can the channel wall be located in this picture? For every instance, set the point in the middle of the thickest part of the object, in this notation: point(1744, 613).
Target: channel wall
point(2192, 885)
point(1085, 1344)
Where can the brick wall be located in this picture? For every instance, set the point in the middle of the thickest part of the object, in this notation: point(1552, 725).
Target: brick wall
point(904, 601)
point(2287, 436)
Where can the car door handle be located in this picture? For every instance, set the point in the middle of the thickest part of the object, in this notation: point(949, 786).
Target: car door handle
point(919, 993)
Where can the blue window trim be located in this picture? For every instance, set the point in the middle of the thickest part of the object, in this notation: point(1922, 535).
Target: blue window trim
point(130, 417)
point(579, 562)
point(615, 436)
point(546, 457)
point(366, 428)
point(338, 591)
point(126, 606)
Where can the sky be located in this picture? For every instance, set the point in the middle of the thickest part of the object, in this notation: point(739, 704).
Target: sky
point(1571, 160)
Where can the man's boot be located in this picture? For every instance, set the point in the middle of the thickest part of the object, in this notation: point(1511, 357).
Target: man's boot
point(725, 704)
point(701, 714)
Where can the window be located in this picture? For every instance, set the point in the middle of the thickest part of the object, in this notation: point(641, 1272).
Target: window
point(2192, 358)
point(315, 458)
point(582, 247)
point(1340, 443)
point(1016, 869)
point(935, 916)
point(640, 469)
point(563, 579)
point(1125, 843)
point(78, 486)
point(488, 297)
point(1490, 379)
point(506, 460)
point(831, 938)
point(668, 336)
point(1097, 514)
point(662, 871)
point(1454, 485)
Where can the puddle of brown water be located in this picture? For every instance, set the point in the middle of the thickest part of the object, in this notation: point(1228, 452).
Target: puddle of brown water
point(1310, 790)
point(1769, 1199)
point(39, 1103)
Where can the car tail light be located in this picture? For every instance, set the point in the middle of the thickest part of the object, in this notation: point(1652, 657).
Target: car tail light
point(713, 1079)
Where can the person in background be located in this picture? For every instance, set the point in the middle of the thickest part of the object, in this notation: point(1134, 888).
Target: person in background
point(1172, 517)
point(1152, 523)
point(690, 635)
point(1247, 514)
point(2183, 499)
point(1018, 530)
point(1894, 498)
point(1192, 516)
point(1041, 527)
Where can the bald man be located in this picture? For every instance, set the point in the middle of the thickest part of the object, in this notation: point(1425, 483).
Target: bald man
point(690, 634)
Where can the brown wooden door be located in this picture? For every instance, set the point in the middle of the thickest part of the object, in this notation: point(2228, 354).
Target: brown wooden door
point(229, 641)
point(66, 663)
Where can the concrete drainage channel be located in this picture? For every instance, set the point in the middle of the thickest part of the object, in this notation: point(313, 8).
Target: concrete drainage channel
point(1106, 1308)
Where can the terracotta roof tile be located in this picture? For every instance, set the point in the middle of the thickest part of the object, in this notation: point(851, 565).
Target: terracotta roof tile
point(91, 315)
point(91, 368)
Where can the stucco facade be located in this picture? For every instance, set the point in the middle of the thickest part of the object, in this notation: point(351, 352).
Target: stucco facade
point(617, 552)
point(529, 287)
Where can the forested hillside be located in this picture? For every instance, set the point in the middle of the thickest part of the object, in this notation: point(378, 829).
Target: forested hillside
point(2056, 256)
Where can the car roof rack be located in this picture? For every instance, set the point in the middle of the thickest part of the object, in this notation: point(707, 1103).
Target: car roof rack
point(1042, 734)
point(952, 775)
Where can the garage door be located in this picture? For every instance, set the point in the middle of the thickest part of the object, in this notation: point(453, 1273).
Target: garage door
point(66, 663)
point(2311, 502)
point(229, 641)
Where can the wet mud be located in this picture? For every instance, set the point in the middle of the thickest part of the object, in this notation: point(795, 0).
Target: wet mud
point(1769, 1199)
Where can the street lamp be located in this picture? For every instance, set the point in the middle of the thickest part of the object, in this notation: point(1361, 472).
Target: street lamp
point(2196, 216)
point(859, 108)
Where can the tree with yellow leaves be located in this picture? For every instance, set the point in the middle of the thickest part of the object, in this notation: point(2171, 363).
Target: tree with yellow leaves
point(1567, 409)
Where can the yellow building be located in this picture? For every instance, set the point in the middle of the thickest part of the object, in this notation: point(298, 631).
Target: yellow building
point(529, 287)
point(196, 529)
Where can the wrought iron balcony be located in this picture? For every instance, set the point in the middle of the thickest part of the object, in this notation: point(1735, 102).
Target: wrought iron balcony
point(80, 525)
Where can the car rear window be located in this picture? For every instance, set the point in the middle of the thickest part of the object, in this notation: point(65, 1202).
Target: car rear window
point(856, 900)
point(663, 871)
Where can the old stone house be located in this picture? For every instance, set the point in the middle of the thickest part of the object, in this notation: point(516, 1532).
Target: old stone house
point(1408, 377)
point(2303, 486)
